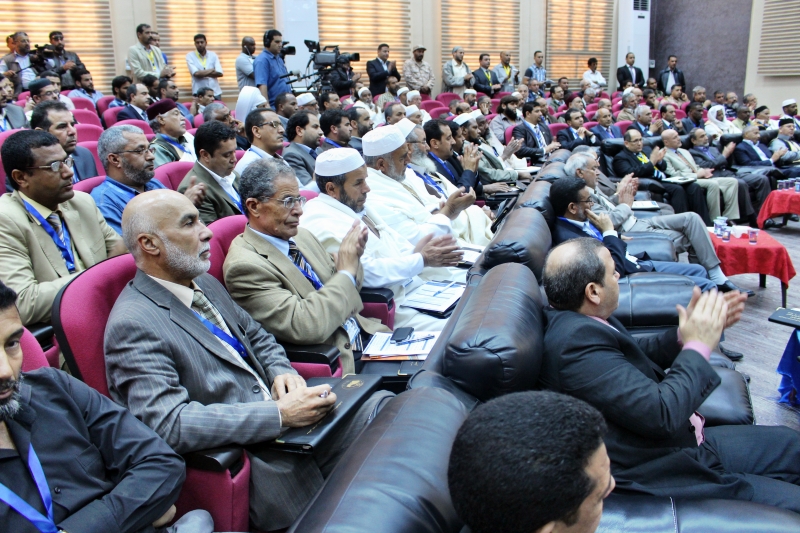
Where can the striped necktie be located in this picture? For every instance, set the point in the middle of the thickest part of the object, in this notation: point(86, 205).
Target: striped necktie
point(206, 309)
point(55, 220)
point(297, 258)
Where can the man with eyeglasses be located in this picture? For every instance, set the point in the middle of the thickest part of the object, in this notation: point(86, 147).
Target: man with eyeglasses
point(127, 158)
point(221, 113)
point(54, 117)
point(265, 132)
point(48, 232)
point(42, 90)
point(215, 145)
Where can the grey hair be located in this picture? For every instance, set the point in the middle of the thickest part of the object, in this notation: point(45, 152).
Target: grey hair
point(258, 179)
point(748, 96)
point(698, 89)
point(208, 112)
point(640, 111)
point(112, 141)
point(748, 128)
point(337, 180)
point(627, 98)
point(589, 92)
point(412, 136)
point(577, 162)
point(154, 125)
point(133, 226)
point(372, 160)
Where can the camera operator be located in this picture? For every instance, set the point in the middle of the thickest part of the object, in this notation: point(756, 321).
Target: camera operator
point(269, 67)
point(62, 61)
point(342, 78)
point(21, 67)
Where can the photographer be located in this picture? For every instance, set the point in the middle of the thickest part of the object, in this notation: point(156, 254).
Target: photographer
point(269, 67)
point(21, 67)
point(342, 78)
point(62, 62)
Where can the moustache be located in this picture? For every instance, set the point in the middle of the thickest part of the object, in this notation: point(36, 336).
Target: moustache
point(9, 384)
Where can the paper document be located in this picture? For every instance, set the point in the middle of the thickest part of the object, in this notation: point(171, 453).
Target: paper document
point(381, 345)
point(471, 253)
point(679, 180)
point(437, 296)
point(645, 204)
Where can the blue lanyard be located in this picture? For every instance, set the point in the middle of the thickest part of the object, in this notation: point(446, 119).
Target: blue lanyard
point(45, 524)
point(224, 337)
point(310, 276)
point(65, 246)
point(452, 178)
point(175, 144)
point(595, 232)
point(333, 143)
point(427, 179)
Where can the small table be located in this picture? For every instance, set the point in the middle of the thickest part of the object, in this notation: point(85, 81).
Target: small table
point(784, 202)
point(768, 257)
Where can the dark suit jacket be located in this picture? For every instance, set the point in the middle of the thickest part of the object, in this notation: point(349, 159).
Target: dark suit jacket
point(377, 76)
point(663, 78)
point(301, 161)
point(688, 125)
point(625, 162)
point(468, 179)
point(564, 231)
point(16, 116)
point(217, 204)
point(745, 155)
point(129, 113)
point(530, 147)
point(714, 159)
point(650, 440)
point(603, 134)
point(341, 81)
point(108, 466)
point(481, 83)
point(623, 75)
point(84, 163)
point(570, 141)
point(644, 131)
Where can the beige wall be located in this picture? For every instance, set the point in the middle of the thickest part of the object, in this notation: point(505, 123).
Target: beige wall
point(125, 16)
point(770, 90)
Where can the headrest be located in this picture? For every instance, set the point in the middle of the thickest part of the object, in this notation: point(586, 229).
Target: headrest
point(496, 346)
point(524, 238)
point(560, 155)
point(537, 196)
point(552, 172)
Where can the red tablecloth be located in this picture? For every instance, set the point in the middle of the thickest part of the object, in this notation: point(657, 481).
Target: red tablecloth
point(779, 203)
point(769, 256)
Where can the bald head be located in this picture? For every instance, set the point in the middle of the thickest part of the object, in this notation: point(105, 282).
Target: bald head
point(163, 231)
point(671, 138)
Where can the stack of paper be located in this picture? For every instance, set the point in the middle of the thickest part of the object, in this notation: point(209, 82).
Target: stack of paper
point(645, 204)
point(471, 254)
point(435, 296)
point(381, 347)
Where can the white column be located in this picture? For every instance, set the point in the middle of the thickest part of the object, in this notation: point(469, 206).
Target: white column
point(297, 21)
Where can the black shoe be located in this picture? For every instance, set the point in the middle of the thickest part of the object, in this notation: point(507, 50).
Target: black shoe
point(794, 218)
point(729, 286)
point(730, 354)
point(745, 376)
point(771, 224)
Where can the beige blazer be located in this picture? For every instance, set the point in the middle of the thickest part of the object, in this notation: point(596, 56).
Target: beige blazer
point(677, 166)
point(30, 262)
point(273, 290)
point(140, 62)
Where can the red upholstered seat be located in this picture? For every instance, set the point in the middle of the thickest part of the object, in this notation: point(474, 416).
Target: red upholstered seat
point(623, 125)
point(591, 107)
point(89, 184)
point(80, 313)
point(198, 120)
point(562, 107)
point(85, 116)
point(589, 125)
point(309, 195)
point(446, 97)
point(556, 127)
point(110, 115)
point(590, 115)
point(32, 355)
point(616, 107)
point(425, 97)
point(240, 154)
point(427, 105)
point(509, 131)
point(173, 173)
point(680, 114)
point(501, 94)
point(138, 123)
point(92, 147)
point(88, 132)
point(103, 103)
point(85, 104)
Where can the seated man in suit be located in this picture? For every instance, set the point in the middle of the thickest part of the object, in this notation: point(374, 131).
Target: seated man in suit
point(304, 134)
point(12, 116)
point(644, 122)
point(215, 146)
point(491, 167)
point(694, 117)
point(635, 159)
point(576, 135)
point(751, 152)
point(629, 103)
point(54, 424)
point(335, 125)
point(572, 200)
point(265, 132)
point(536, 137)
point(48, 232)
point(285, 279)
point(605, 128)
point(138, 102)
point(669, 120)
point(485, 78)
point(54, 117)
point(389, 261)
point(195, 367)
point(680, 163)
point(128, 161)
point(785, 139)
point(656, 441)
point(441, 143)
point(563, 487)
point(172, 142)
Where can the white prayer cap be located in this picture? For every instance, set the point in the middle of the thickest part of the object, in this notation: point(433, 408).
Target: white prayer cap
point(626, 91)
point(383, 140)
point(361, 91)
point(305, 99)
point(405, 126)
point(516, 95)
point(412, 94)
point(402, 90)
point(338, 161)
point(470, 91)
point(462, 119)
point(411, 109)
point(476, 114)
point(790, 101)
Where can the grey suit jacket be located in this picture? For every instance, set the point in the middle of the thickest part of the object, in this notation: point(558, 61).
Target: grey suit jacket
point(16, 116)
point(301, 161)
point(179, 379)
point(84, 163)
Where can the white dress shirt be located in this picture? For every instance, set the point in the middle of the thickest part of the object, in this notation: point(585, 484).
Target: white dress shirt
point(225, 182)
point(195, 63)
point(597, 80)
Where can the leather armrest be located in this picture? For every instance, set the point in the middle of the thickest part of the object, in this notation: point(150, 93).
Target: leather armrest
point(648, 299)
point(322, 354)
point(642, 195)
point(658, 247)
point(214, 459)
point(43, 332)
point(651, 185)
point(729, 404)
point(376, 296)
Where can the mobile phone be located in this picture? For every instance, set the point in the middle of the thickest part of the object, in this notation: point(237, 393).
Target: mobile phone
point(401, 334)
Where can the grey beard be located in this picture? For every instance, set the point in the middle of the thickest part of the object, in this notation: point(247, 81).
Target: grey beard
point(425, 162)
point(346, 200)
point(139, 176)
point(394, 173)
point(11, 406)
point(183, 264)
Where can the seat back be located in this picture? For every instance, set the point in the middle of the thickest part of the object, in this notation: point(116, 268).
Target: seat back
point(428, 105)
point(556, 127)
point(88, 132)
point(551, 172)
point(508, 133)
point(309, 195)
point(171, 175)
point(224, 230)
point(446, 97)
point(198, 120)
point(32, 354)
point(138, 123)
point(524, 238)
point(623, 125)
point(110, 115)
point(103, 103)
point(80, 313)
point(89, 184)
point(92, 147)
point(559, 156)
point(87, 116)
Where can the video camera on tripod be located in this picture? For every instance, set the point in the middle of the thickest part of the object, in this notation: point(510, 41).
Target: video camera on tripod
point(324, 60)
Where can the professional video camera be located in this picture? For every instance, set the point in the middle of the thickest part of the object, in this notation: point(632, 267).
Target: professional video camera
point(287, 50)
point(324, 61)
point(40, 53)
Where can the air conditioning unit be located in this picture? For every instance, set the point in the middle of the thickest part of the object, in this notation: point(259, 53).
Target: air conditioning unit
point(634, 32)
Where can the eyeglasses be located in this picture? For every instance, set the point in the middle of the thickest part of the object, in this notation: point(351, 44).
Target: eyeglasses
point(589, 201)
point(290, 201)
point(274, 124)
point(138, 151)
point(55, 166)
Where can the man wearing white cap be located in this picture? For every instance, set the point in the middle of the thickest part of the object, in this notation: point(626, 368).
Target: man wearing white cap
point(389, 260)
point(308, 102)
point(456, 76)
point(385, 152)
point(283, 276)
point(365, 101)
point(789, 110)
point(402, 95)
point(413, 114)
point(415, 98)
point(470, 97)
point(419, 74)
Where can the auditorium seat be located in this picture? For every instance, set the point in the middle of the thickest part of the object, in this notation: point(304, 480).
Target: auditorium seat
point(92, 147)
point(508, 134)
point(144, 126)
point(85, 104)
point(80, 313)
point(556, 127)
point(103, 103)
point(501, 94)
point(198, 120)
point(490, 117)
point(590, 114)
point(173, 173)
point(110, 115)
point(680, 114)
point(589, 125)
point(428, 105)
point(32, 355)
point(240, 154)
point(86, 116)
point(623, 125)
point(562, 107)
point(495, 105)
point(616, 107)
point(591, 107)
point(88, 132)
point(88, 184)
point(445, 98)
point(309, 195)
